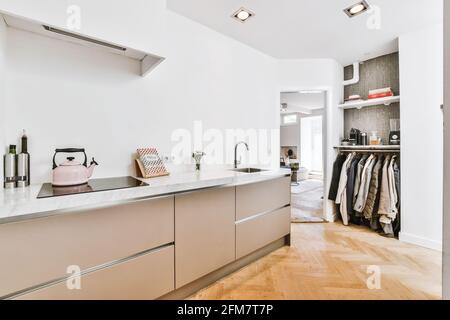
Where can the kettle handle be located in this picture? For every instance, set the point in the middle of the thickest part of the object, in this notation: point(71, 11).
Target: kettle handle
point(69, 150)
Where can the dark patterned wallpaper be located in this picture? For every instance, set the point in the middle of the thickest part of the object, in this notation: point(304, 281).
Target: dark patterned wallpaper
point(377, 73)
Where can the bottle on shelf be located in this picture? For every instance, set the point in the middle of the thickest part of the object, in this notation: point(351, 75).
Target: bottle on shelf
point(23, 164)
point(10, 168)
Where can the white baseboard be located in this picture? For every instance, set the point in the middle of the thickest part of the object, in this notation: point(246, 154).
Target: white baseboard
point(420, 241)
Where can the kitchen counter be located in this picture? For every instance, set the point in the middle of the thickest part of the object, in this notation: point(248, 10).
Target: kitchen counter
point(22, 204)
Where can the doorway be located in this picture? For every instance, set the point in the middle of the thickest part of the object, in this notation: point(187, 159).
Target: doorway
point(311, 146)
point(302, 150)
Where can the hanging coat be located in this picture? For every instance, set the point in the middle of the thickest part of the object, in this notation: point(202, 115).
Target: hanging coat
point(389, 198)
point(373, 190)
point(343, 178)
point(385, 202)
point(337, 167)
point(359, 170)
point(396, 222)
point(375, 217)
point(365, 184)
point(352, 173)
point(344, 204)
point(393, 197)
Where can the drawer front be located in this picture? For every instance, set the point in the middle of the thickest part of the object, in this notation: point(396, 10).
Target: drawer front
point(256, 232)
point(204, 233)
point(262, 197)
point(143, 278)
point(37, 251)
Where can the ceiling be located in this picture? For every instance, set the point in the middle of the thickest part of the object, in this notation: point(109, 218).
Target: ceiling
point(302, 29)
point(303, 102)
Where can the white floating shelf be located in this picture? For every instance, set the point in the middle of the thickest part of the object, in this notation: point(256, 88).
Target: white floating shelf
point(370, 147)
point(147, 60)
point(291, 111)
point(368, 103)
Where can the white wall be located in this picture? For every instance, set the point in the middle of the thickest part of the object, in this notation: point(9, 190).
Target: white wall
point(446, 237)
point(303, 100)
point(421, 87)
point(71, 96)
point(290, 135)
point(2, 96)
point(68, 95)
point(320, 74)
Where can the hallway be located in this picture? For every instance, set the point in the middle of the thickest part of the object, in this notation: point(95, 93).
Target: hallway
point(329, 261)
point(307, 201)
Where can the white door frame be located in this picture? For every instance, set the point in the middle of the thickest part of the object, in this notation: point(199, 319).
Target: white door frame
point(325, 159)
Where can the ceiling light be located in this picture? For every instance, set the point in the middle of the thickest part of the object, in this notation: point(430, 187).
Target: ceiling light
point(357, 9)
point(243, 15)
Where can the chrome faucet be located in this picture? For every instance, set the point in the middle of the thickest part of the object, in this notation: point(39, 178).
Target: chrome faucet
point(236, 162)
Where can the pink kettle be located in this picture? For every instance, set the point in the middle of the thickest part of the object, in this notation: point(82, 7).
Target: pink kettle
point(71, 172)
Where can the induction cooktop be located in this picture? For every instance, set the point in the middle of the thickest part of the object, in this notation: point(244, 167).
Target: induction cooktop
point(94, 185)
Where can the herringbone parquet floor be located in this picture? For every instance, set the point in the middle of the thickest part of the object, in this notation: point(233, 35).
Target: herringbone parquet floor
point(330, 261)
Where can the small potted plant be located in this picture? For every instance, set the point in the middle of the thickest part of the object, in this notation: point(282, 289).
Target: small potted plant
point(198, 155)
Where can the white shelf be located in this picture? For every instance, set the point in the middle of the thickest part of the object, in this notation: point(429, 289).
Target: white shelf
point(375, 148)
point(368, 103)
point(291, 111)
point(147, 60)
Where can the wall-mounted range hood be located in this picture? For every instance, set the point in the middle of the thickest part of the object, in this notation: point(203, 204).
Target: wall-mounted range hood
point(147, 60)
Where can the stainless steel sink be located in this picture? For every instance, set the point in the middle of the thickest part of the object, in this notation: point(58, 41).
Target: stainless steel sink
point(248, 170)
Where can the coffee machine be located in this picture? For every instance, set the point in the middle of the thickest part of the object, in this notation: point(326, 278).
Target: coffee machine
point(394, 135)
point(355, 137)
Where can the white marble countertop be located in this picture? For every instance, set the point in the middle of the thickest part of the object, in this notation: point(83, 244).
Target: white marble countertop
point(22, 204)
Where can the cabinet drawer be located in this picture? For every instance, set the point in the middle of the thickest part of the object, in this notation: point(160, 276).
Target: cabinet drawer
point(262, 197)
point(204, 233)
point(256, 232)
point(146, 277)
point(37, 251)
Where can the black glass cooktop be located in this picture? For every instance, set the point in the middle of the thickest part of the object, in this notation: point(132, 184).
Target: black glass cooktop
point(94, 185)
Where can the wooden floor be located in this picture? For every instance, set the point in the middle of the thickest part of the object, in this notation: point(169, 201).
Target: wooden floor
point(329, 261)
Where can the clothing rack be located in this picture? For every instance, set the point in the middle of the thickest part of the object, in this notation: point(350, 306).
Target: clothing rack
point(365, 186)
point(369, 149)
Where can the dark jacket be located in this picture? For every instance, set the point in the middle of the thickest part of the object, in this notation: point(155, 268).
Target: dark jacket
point(337, 168)
point(351, 184)
point(374, 221)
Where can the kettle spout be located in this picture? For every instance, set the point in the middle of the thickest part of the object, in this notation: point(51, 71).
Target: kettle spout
point(91, 168)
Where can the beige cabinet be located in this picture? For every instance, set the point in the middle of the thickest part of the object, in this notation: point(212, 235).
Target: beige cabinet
point(204, 233)
point(255, 198)
point(142, 249)
point(41, 250)
point(145, 277)
point(261, 230)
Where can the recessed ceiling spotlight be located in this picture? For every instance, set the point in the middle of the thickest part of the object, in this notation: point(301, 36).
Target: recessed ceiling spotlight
point(357, 9)
point(243, 14)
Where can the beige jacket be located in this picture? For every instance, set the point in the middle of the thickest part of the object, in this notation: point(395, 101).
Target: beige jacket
point(373, 190)
point(365, 184)
point(359, 171)
point(385, 202)
point(388, 196)
point(393, 190)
